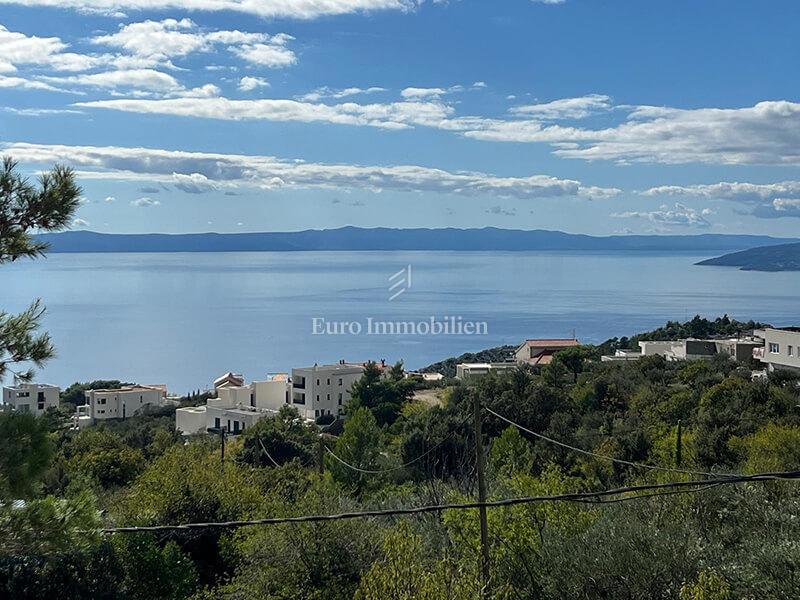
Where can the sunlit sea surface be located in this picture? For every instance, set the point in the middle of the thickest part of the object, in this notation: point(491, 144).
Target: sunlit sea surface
point(184, 318)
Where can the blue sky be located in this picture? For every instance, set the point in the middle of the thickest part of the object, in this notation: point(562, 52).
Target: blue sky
point(244, 115)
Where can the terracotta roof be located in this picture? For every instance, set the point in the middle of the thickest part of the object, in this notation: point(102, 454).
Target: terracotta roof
point(553, 343)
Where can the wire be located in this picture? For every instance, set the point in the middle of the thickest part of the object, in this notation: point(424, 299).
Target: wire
point(267, 453)
point(665, 489)
point(604, 457)
point(397, 468)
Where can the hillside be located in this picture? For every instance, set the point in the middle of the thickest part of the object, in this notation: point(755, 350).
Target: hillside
point(782, 257)
point(386, 239)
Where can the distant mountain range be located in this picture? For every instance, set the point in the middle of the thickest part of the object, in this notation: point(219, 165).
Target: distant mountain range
point(783, 257)
point(358, 239)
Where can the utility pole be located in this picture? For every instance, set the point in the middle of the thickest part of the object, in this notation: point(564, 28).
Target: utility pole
point(321, 454)
point(479, 456)
point(221, 431)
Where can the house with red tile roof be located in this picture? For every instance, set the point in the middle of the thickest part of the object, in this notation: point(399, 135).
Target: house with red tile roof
point(541, 352)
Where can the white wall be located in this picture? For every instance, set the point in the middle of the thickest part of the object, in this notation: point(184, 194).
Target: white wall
point(26, 397)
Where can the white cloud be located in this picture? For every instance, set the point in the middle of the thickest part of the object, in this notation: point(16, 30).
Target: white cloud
point(40, 112)
point(679, 215)
point(248, 83)
point(20, 49)
point(110, 199)
point(786, 204)
point(416, 93)
point(159, 41)
point(26, 84)
point(195, 183)
point(296, 9)
point(80, 223)
point(326, 92)
point(266, 172)
point(730, 190)
point(566, 108)
point(767, 133)
point(394, 115)
point(768, 200)
point(148, 80)
point(272, 55)
point(145, 202)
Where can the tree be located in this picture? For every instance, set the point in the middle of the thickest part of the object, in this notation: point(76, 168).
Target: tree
point(573, 359)
point(285, 437)
point(384, 396)
point(103, 456)
point(24, 209)
point(359, 445)
point(25, 451)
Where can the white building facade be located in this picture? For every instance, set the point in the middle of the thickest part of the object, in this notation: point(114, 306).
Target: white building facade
point(781, 348)
point(324, 389)
point(33, 398)
point(236, 407)
point(121, 403)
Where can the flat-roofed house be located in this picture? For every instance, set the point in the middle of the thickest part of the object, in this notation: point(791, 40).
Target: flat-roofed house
point(34, 398)
point(326, 389)
point(123, 402)
point(236, 407)
point(468, 370)
point(541, 352)
point(781, 348)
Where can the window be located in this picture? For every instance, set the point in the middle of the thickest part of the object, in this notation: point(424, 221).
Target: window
point(329, 381)
point(317, 397)
point(329, 397)
point(216, 423)
point(41, 405)
point(774, 348)
point(316, 413)
point(252, 399)
point(236, 427)
point(790, 350)
point(317, 381)
point(340, 381)
point(40, 395)
point(340, 398)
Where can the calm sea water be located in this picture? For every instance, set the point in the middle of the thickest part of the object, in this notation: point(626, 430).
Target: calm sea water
point(182, 319)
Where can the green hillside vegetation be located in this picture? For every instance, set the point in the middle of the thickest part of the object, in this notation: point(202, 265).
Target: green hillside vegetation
point(782, 257)
point(724, 542)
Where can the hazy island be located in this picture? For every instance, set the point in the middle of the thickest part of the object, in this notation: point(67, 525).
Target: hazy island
point(781, 257)
point(487, 239)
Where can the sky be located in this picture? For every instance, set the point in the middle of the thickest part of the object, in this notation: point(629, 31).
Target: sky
point(587, 116)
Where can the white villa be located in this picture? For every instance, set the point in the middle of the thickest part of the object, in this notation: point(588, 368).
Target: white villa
point(325, 389)
point(33, 398)
point(236, 407)
point(118, 403)
point(781, 349)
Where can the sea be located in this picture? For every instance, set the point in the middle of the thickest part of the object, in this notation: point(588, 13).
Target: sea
point(183, 319)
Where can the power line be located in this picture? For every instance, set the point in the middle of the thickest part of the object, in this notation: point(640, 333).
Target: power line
point(397, 468)
point(603, 456)
point(600, 497)
point(267, 453)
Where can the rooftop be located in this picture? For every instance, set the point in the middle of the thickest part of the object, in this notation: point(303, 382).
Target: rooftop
point(132, 388)
point(552, 343)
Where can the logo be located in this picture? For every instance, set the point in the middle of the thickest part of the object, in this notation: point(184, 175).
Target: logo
point(400, 282)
